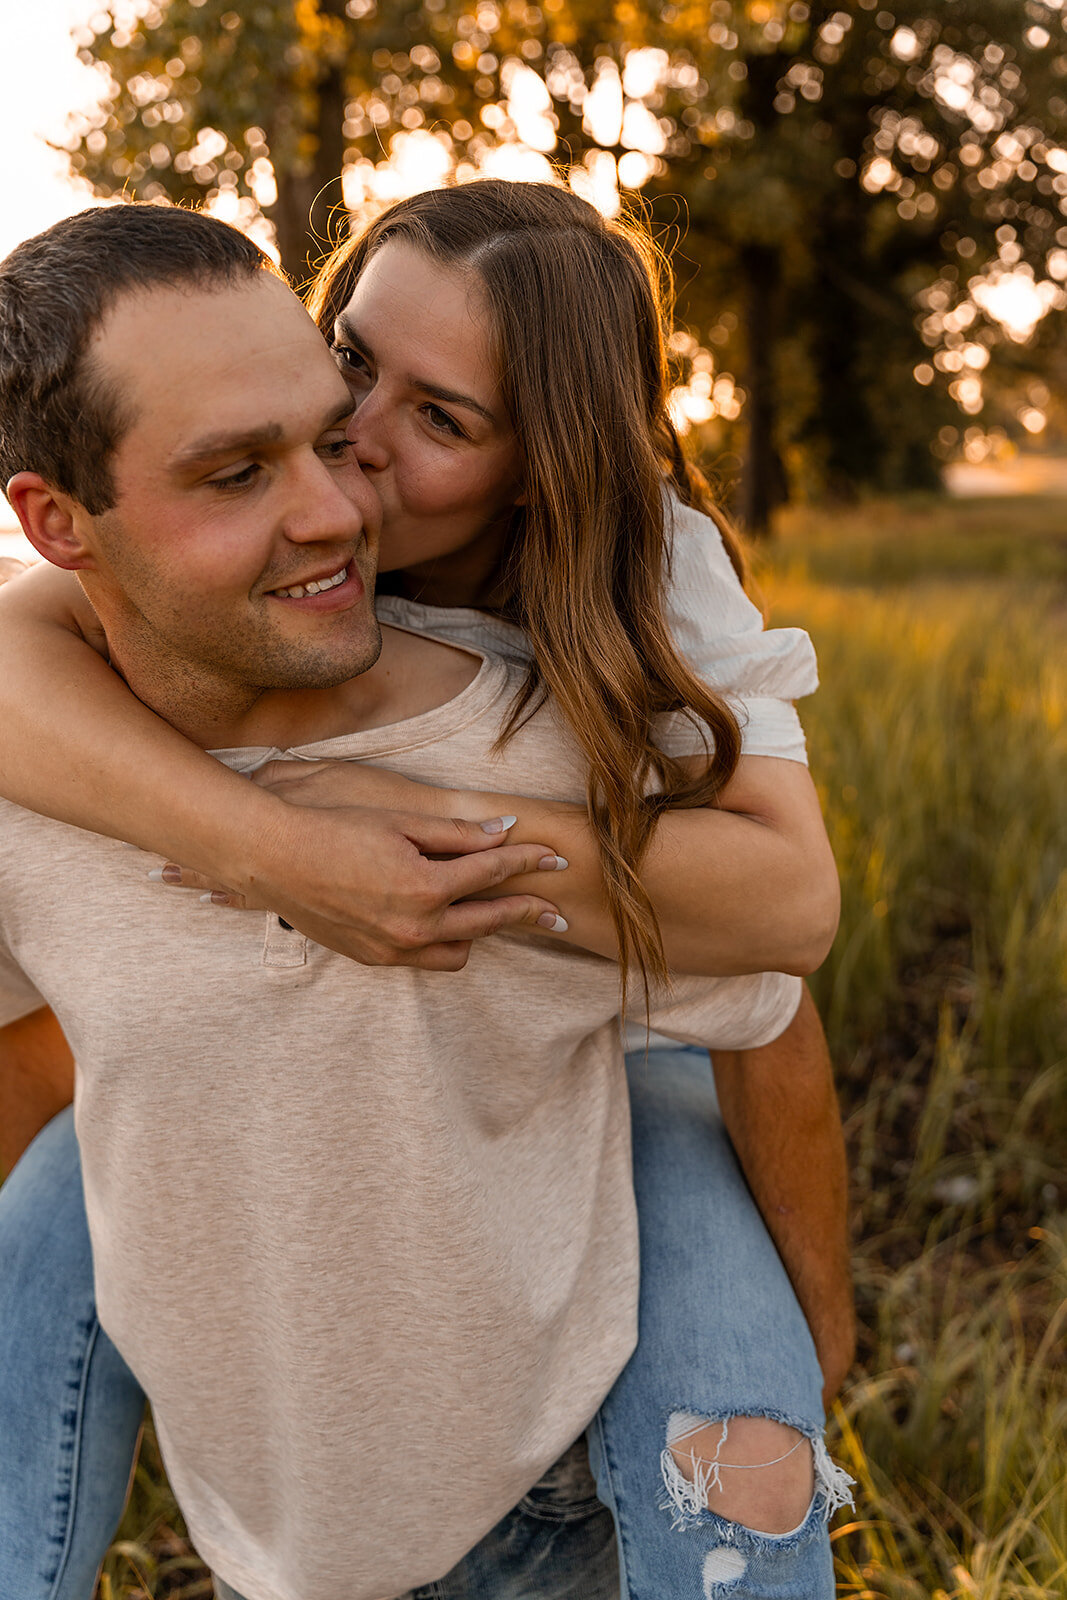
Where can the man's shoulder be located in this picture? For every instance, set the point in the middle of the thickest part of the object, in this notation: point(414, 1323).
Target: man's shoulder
point(423, 675)
point(431, 670)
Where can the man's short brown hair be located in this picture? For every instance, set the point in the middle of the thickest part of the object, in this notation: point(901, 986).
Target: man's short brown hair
point(59, 416)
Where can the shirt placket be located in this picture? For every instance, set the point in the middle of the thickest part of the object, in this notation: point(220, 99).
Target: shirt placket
point(284, 945)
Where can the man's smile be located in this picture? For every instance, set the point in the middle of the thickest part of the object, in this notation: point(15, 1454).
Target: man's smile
point(297, 591)
point(332, 591)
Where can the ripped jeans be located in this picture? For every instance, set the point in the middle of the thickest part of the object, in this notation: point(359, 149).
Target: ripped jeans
point(722, 1339)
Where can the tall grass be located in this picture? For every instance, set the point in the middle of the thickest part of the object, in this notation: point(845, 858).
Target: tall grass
point(939, 742)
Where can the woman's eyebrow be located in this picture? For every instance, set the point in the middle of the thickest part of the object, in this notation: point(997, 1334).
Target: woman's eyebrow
point(451, 397)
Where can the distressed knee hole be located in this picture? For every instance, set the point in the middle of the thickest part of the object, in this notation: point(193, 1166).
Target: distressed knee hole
point(750, 1470)
point(724, 1565)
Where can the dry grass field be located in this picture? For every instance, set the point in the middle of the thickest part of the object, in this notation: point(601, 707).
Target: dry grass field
point(940, 745)
point(939, 741)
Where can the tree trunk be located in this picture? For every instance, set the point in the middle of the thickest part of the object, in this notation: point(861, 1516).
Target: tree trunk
point(290, 215)
point(309, 216)
point(763, 486)
point(329, 219)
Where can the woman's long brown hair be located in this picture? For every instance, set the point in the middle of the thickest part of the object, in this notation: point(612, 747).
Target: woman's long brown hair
point(581, 315)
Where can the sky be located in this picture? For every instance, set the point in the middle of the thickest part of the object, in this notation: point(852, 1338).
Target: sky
point(41, 79)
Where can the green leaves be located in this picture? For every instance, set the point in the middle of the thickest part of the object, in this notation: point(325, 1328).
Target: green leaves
point(896, 147)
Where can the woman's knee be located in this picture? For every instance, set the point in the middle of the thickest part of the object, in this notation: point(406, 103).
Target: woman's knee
point(750, 1470)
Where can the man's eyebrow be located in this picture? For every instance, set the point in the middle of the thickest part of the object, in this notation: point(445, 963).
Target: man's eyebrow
point(451, 397)
point(213, 445)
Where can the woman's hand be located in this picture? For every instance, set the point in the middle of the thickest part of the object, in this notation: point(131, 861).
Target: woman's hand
point(406, 860)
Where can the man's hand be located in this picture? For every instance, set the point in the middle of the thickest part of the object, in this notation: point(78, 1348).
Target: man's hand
point(388, 888)
point(780, 1110)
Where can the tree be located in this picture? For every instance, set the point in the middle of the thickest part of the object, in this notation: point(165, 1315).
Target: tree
point(845, 186)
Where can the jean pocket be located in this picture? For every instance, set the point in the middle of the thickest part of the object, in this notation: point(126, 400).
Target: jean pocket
point(567, 1489)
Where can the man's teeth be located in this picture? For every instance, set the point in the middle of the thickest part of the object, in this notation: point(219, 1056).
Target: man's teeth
point(299, 590)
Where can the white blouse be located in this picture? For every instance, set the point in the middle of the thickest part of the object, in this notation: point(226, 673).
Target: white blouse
point(759, 671)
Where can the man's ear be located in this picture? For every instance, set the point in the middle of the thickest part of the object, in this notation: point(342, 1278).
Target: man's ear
point(50, 522)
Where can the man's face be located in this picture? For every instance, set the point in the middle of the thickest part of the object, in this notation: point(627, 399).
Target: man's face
point(235, 484)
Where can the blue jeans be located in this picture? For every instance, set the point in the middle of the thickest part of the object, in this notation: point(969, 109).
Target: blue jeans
point(721, 1336)
point(70, 1410)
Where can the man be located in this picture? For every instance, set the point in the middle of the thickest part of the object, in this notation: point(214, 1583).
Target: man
point(310, 1188)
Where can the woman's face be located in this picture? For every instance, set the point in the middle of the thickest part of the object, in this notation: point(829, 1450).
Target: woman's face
point(431, 433)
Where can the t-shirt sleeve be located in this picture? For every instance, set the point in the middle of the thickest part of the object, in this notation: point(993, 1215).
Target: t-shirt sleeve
point(759, 671)
point(727, 1013)
point(18, 997)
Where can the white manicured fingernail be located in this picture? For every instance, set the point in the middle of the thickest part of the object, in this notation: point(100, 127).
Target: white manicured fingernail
point(552, 863)
point(156, 875)
point(498, 824)
point(215, 898)
point(554, 924)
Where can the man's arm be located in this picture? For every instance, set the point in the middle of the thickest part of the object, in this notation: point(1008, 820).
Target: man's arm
point(780, 1109)
point(36, 1081)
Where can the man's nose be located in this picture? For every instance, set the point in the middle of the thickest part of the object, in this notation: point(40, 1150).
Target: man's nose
point(330, 504)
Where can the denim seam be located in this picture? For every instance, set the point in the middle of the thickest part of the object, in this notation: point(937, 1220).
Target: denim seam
point(91, 1326)
point(622, 1534)
point(576, 1511)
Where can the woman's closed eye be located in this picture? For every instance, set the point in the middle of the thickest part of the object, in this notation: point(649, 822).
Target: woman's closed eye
point(442, 422)
point(334, 448)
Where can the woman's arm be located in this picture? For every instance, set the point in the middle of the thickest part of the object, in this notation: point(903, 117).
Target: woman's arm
point(78, 746)
point(747, 888)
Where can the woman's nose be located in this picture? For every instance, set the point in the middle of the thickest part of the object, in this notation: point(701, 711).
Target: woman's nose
point(369, 435)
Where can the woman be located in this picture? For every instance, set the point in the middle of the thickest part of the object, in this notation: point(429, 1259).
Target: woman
point(523, 488)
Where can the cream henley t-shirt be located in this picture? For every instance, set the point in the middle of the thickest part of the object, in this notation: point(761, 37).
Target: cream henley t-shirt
point(365, 1236)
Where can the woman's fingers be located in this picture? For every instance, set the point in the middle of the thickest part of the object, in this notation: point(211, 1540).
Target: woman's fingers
point(454, 836)
point(211, 891)
point(461, 862)
point(477, 919)
point(469, 877)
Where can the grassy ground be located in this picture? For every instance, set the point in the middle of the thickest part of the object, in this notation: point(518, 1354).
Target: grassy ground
point(940, 745)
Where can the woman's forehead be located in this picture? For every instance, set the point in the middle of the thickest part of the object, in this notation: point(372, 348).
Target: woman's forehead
point(423, 315)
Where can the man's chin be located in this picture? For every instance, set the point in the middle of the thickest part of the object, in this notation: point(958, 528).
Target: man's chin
point(297, 670)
